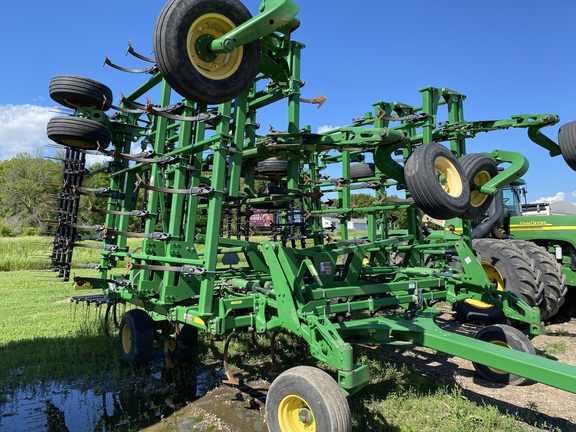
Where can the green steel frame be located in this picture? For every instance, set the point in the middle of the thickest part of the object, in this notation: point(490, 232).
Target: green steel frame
point(177, 275)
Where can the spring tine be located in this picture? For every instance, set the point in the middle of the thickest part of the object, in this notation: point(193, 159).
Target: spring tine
point(130, 50)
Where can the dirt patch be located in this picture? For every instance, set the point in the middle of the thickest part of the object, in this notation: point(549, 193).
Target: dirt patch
point(241, 409)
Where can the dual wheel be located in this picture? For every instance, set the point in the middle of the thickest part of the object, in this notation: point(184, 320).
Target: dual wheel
point(445, 187)
point(520, 267)
point(78, 92)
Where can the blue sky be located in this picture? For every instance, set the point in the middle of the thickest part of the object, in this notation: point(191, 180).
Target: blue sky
point(508, 57)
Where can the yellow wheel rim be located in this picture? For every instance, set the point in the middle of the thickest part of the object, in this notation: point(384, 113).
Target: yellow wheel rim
point(126, 339)
point(204, 30)
point(494, 276)
point(502, 344)
point(448, 176)
point(294, 414)
point(477, 198)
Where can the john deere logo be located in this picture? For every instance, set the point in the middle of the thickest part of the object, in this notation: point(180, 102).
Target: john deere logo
point(533, 223)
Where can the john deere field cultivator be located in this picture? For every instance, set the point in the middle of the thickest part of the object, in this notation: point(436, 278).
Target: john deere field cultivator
point(188, 172)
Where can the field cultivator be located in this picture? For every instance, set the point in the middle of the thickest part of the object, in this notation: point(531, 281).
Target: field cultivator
point(188, 172)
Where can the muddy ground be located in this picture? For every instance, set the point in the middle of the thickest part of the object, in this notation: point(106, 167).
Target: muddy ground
point(241, 408)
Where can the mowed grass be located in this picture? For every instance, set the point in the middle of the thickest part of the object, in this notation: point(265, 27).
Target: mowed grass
point(44, 338)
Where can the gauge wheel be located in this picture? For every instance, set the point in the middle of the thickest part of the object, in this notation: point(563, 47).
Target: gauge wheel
point(182, 35)
point(136, 337)
point(75, 91)
point(306, 398)
point(436, 181)
point(478, 169)
point(362, 170)
point(180, 343)
point(79, 133)
point(508, 337)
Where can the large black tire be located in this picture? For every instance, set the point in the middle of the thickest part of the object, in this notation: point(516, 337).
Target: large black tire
point(362, 170)
point(272, 166)
point(436, 181)
point(307, 398)
point(74, 91)
point(550, 280)
point(508, 337)
point(511, 270)
point(478, 170)
point(183, 31)
point(567, 142)
point(78, 132)
point(136, 336)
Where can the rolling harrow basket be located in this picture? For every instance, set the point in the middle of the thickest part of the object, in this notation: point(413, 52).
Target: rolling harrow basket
point(188, 171)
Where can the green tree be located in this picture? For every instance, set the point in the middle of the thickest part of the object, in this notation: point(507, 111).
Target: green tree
point(397, 219)
point(28, 188)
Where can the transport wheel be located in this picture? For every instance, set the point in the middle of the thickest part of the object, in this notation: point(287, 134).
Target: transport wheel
point(78, 132)
point(551, 281)
point(305, 398)
point(181, 345)
point(362, 170)
point(567, 142)
point(136, 337)
point(183, 32)
point(74, 91)
point(507, 267)
point(508, 337)
point(436, 181)
point(272, 166)
point(478, 170)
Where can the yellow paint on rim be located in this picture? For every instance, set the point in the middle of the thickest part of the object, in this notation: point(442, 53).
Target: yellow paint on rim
point(502, 344)
point(449, 175)
point(480, 179)
point(224, 64)
point(494, 276)
point(126, 339)
point(294, 414)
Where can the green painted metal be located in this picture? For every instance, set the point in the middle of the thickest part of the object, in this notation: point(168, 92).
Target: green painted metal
point(327, 288)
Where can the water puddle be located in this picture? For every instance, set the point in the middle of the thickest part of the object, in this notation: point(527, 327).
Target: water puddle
point(57, 407)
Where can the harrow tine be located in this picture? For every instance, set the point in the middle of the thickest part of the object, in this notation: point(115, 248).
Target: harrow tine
point(130, 50)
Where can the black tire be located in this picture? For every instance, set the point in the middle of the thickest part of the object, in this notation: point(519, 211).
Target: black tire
point(507, 266)
point(78, 132)
point(478, 170)
point(362, 170)
point(74, 91)
point(436, 181)
point(272, 166)
point(181, 346)
point(202, 76)
point(136, 337)
point(567, 142)
point(509, 337)
point(549, 279)
point(311, 389)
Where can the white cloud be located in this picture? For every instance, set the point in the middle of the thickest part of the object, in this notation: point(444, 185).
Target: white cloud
point(326, 128)
point(560, 196)
point(23, 129)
